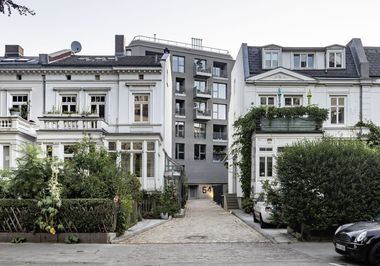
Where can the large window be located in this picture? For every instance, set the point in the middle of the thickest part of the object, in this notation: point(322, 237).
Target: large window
point(335, 59)
point(141, 103)
point(200, 85)
point(219, 91)
point(180, 107)
point(21, 102)
point(180, 151)
point(98, 105)
point(337, 108)
point(271, 59)
point(200, 130)
point(266, 166)
point(199, 152)
point(68, 152)
point(178, 64)
point(293, 100)
point(303, 60)
point(150, 154)
point(69, 103)
point(131, 157)
point(267, 100)
point(180, 86)
point(6, 154)
point(218, 153)
point(219, 111)
point(180, 129)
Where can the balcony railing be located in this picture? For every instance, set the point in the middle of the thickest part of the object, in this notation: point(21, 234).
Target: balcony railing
point(180, 111)
point(218, 157)
point(202, 92)
point(200, 135)
point(72, 123)
point(219, 73)
point(180, 91)
point(16, 123)
point(202, 72)
point(202, 114)
point(180, 44)
point(220, 136)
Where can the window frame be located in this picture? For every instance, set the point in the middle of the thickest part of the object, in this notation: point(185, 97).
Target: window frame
point(180, 129)
point(265, 174)
point(201, 134)
point(176, 66)
point(271, 52)
point(98, 103)
point(179, 152)
point(69, 104)
point(300, 61)
point(266, 96)
point(338, 106)
point(218, 111)
point(292, 97)
point(198, 148)
point(335, 52)
point(216, 90)
point(141, 106)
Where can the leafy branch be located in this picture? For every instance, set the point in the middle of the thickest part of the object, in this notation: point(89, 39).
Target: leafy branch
point(6, 6)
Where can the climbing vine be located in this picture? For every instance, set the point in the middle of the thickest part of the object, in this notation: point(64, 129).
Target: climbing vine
point(246, 125)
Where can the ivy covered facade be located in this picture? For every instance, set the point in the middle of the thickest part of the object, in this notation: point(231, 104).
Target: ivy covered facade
point(341, 81)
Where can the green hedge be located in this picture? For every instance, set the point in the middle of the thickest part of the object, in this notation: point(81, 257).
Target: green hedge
point(325, 183)
point(76, 215)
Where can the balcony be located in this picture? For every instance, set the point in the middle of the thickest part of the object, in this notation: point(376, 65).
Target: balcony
point(204, 93)
point(180, 112)
point(180, 91)
point(220, 136)
point(72, 123)
point(202, 72)
point(203, 115)
point(296, 124)
point(17, 124)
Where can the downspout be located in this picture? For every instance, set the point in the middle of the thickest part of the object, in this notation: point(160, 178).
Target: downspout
point(360, 110)
point(44, 93)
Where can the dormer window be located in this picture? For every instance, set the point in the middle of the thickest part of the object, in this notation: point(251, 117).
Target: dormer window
point(335, 59)
point(303, 60)
point(271, 58)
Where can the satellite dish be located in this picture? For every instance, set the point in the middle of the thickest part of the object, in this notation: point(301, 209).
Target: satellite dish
point(76, 47)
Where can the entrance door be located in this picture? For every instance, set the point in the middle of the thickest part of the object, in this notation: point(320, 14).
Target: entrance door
point(193, 192)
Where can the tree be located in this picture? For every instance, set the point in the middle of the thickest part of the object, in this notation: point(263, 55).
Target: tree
point(6, 6)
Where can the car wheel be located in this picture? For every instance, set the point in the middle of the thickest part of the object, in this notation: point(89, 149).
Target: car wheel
point(254, 218)
point(262, 224)
point(374, 255)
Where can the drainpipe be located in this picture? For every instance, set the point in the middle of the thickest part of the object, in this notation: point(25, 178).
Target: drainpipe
point(360, 109)
point(44, 93)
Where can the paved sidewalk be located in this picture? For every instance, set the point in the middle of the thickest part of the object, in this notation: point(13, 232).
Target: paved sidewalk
point(276, 235)
point(204, 222)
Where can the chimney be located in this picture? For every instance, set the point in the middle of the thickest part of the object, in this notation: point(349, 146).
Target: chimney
point(43, 59)
point(119, 45)
point(14, 51)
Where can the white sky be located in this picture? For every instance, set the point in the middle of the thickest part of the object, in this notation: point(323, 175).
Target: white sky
point(220, 23)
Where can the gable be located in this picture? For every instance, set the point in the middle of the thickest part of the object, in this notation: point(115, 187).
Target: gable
point(279, 75)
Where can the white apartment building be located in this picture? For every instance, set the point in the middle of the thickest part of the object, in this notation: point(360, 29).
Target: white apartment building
point(123, 103)
point(343, 79)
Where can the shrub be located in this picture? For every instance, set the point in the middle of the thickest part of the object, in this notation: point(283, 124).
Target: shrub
point(168, 201)
point(30, 177)
point(72, 239)
point(125, 217)
point(322, 184)
point(247, 204)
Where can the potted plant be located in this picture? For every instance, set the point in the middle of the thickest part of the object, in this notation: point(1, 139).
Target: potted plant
point(168, 202)
point(14, 111)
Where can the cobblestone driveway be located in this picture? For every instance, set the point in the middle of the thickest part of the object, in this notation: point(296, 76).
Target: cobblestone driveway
point(205, 222)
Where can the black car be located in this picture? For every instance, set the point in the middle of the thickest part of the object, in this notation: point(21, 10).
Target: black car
point(360, 240)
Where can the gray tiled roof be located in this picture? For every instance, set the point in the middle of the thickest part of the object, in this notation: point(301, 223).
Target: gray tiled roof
point(255, 66)
point(373, 57)
point(82, 61)
point(107, 61)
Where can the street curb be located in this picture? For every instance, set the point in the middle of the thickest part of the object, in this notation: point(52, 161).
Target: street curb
point(267, 236)
point(122, 238)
